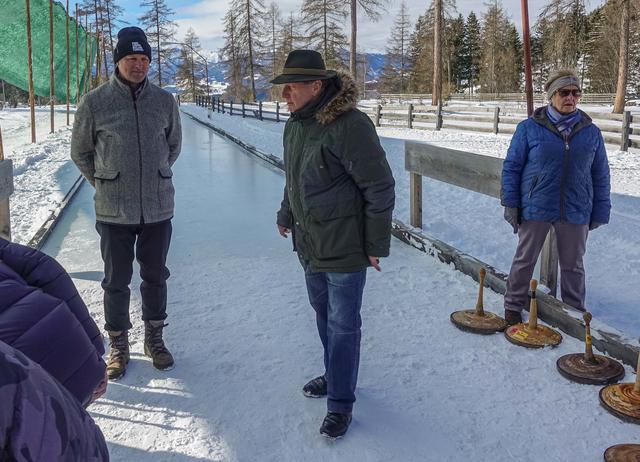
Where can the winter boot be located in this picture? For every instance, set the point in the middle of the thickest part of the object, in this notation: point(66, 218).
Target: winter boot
point(315, 388)
point(512, 317)
point(335, 425)
point(154, 346)
point(118, 354)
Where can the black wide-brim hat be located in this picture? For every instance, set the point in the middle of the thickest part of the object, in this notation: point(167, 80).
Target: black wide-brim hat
point(303, 66)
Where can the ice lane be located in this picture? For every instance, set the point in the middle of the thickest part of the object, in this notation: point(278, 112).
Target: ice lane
point(244, 340)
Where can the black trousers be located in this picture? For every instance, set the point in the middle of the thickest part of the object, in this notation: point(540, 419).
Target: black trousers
point(150, 242)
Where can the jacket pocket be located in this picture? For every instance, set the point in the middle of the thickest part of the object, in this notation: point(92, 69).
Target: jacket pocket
point(336, 231)
point(536, 180)
point(107, 196)
point(165, 189)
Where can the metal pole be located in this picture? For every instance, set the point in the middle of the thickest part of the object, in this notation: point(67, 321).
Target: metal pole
point(52, 92)
point(1, 147)
point(77, 59)
point(68, 64)
point(87, 71)
point(528, 82)
point(31, 95)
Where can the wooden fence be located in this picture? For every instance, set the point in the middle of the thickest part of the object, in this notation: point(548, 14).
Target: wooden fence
point(538, 98)
point(616, 129)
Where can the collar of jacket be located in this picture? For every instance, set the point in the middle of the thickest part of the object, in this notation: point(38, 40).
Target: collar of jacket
point(125, 88)
point(540, 117)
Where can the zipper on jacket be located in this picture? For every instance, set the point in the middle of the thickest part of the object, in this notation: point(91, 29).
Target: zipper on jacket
point(135, 108)
point(565, 164)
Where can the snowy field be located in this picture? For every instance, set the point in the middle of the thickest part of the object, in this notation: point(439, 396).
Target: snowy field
point(244, 340)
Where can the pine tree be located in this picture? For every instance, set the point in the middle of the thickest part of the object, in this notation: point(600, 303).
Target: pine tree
point(395, 72)
point(323, 20)
point(453, 51)
point(160, 29)
point(471, 52)
point(190, 75)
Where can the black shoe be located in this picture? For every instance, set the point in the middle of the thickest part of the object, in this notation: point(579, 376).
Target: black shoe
point(315, 388)
point(512, 317)
point(335, 425)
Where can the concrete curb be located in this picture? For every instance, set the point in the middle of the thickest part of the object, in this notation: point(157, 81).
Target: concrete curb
point(550, 310)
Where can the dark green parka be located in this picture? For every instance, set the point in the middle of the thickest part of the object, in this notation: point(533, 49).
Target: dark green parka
point(339, 191)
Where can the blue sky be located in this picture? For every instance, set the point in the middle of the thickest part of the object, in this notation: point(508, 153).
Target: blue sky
point(205, 16)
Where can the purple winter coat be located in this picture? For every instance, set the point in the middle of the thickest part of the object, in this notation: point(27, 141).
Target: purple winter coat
point(43, 316)
point(39, 419)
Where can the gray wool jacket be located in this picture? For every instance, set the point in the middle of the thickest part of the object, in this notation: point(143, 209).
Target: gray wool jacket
point(125, 148)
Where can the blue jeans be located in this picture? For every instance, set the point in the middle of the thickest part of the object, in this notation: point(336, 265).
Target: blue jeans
point(337, 298)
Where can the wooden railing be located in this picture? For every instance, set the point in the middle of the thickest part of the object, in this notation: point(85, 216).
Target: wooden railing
point(538, 98)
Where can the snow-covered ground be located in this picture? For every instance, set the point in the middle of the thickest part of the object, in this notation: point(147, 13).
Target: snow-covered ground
point(244, 336)
point(473, 222)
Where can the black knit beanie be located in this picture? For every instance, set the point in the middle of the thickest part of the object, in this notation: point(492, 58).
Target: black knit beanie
point(131, 41)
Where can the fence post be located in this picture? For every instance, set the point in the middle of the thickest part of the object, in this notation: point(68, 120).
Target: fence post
point(178, 98)
point(277, 111)
point(626, 122)
point(549, 263)
point(410, 116)
point(378, 110)
point(496, 119)
point(223, 106)
point(243, 109)
point(231, 108)
point(415, 191)
point(439, 116)
point(260, 109)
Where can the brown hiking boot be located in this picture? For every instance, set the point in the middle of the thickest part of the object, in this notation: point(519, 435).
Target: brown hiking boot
point(118, 354)
point(512, 317)
point(154, 346)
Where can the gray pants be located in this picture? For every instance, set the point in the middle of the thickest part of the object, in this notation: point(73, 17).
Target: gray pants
point(572, 243)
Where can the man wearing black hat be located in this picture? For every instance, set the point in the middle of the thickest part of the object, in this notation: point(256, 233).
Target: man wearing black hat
point(337, 205)
point(126, 136)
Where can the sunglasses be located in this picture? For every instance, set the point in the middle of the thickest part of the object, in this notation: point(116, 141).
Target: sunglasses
point(565, 93)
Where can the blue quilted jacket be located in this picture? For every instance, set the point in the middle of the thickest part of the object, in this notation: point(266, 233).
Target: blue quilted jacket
point(43, 316)
point(552, 177)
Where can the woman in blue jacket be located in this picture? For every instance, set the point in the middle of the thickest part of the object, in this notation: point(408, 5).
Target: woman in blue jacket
point(556, 174)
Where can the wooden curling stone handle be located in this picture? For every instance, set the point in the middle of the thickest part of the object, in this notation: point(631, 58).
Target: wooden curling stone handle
point(533, 306)
point(479, 303)
point(588, 341)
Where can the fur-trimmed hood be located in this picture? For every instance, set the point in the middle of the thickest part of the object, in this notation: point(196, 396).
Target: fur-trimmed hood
point(345, 100)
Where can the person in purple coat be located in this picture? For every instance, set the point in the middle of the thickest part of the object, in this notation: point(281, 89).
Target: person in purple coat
point(43, 316)
point(39, 419)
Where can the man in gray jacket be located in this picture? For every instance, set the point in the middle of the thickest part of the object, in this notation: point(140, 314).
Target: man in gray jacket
point(126, 137)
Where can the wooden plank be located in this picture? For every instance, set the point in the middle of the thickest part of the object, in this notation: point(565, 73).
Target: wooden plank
point(465, 169)
point(415, 191)
point(474, 128)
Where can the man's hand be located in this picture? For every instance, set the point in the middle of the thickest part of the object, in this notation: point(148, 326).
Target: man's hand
point(512, 216)
point(375, 262)
point(283, 231)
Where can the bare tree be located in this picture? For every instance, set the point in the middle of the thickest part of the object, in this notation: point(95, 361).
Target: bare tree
point(323, 20)
point(371, 9)
point(394, 74)
point(249, 22)
point(190, 75)
point(623, 60)
point(160, 29)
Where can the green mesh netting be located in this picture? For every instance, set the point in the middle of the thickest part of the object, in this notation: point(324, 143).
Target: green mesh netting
point(14, 65)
